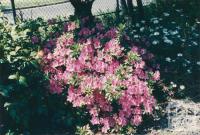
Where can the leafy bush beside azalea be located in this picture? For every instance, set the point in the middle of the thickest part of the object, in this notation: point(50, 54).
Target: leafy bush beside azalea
point(29, 107)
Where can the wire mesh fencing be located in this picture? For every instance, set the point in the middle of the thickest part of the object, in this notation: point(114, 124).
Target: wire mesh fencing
point(48, 9)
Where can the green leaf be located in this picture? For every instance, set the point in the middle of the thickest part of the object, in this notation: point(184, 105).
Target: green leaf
point(34, 63)
point(12, 77)
point(17, 48)
point(22, 81)
point(9, 58)
point(4, 90)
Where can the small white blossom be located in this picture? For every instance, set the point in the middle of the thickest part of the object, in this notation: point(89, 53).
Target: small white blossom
point(168, 59)
point(155, 21)
point(174, 32)
point(142, 29)
point(156, 33)
point(179, 54)
point(137, 25)
point(166, 40)
point(166, 14)
point(195, 43)
point(136, 36)
point(183, 40)
point(189, 71)
point(178, 10)
point(142, 21)
point(198, 63)
point(174, 85)
point(182, 87)
point(165, 31)
point(155, 42)
point(188, 61)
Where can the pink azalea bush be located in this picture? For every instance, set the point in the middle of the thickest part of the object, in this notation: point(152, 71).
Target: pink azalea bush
point(99, 73)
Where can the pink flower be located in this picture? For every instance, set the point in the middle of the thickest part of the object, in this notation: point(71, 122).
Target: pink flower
point(94, 66)
point(85, 32)
point(55, 87)
point(136, 120)
point(34, 39)
point(95, 121)
point(156, 76)
point(99, 26)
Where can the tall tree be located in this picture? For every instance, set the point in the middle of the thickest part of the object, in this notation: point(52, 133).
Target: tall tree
point(130, 7)
point(140, 8)
point(124, 6)
point(82, 8)
point(127, 8)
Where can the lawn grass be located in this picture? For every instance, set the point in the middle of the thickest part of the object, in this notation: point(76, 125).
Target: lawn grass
point(6, 4)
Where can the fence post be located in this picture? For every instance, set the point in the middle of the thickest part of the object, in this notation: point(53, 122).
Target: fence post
point(117, 9)
point(13, 10)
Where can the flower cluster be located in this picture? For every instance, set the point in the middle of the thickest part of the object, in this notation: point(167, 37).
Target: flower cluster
point(99, 73)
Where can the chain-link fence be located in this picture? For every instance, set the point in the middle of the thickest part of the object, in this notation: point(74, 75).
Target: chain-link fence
point(47, 9)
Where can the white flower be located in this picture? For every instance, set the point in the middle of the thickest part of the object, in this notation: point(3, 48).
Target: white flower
point(195, 43)
point(182, 87)
point(142, 21)
point(166, 40)
point(155, 21)
point(198, 63)
point(151, 30)
point(174, 85)
point(137, 25)
point(184, 65)
point(183, 40)
point(189, 71)
point(188, 61)
point(142, 29)
point(178, 10)
point(174, 32)
point(166, 14)
point(156, 33)
point(179, 54)
point(155, 42)
point(168, 59)
point(196, 35)
point(165, 31)
point(136, 36)
point(178, 27)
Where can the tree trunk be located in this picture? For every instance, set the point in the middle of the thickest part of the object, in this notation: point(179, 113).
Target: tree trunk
point(130, 9)
point(140, 8)
point(82, 8)
point(117, 9)
point(124, 6)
